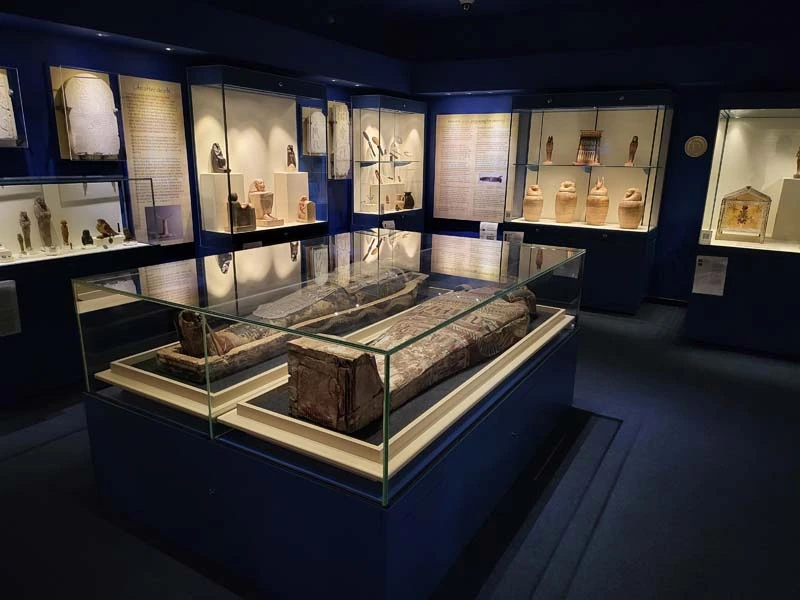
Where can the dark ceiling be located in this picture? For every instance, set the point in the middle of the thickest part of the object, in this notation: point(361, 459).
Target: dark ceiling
point(423, 30)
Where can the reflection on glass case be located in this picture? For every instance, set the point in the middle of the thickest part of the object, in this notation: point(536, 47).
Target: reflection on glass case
point(753, 196)
point(388, 154)
point(86, 114)
point(12, 118)
point(260, 143)
point(596, 166)
point(50, 217)
point(356, 350)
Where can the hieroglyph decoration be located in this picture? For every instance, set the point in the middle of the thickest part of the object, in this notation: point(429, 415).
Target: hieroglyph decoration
point(8, 124)
point(316, 133)
point(340, 116)
point(91, 116)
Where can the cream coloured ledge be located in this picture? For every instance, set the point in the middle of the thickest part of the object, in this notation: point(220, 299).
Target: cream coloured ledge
point(40, 256)
point(581, 225)
point(769, 244)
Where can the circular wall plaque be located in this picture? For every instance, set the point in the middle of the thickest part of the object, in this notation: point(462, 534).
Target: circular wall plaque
point(695, 146)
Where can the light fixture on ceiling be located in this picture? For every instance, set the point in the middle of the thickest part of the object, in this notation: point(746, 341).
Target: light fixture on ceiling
point(168, 49)
point(466, 5)
point(101, 35)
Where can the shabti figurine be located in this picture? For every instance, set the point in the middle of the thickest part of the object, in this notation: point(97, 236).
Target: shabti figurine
point(21, 243)
point(306, 210)
point(797, 175)
point(329, 307)
point(632, 151)
point(589, 147)
point(539, 259)
point(369, 143)
point(91, 117)
point(64, 232)
point(8, 123)
point(631, 209)
point(104, 229)
point(243, 216)
point(532, 203)
point(343, 388)
point(43, 221)
point(219, 164)
point(566, 202)
point(86, 238)
point(597, 204)
point(548, 149)
point(316, 128)
point(25, 225)
point(291, 159)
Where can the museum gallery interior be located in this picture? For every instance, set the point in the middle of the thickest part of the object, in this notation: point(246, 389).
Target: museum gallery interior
point(449, 299)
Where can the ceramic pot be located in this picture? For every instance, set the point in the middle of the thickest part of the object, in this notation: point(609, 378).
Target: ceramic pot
point(532, 204)
point(631, 209)
point(566, 202)
point(597, 204)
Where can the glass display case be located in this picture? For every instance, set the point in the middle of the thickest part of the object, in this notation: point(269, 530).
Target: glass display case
point(355, 351)
point(753, 196)
point(260, 143)
point(588, 160)
point(52, 217)
point(86, 114)
point(388, 154)
point(12, 117)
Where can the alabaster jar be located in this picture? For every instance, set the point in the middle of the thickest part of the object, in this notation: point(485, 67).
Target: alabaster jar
point(597, 204)
point(566, 202)
point(532, 203)
point(631, 209)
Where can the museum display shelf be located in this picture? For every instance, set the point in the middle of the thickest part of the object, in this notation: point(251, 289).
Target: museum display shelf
point(294, 343)
point(587, 170)
point(47, 218)
point(260, 144)
point(748, 252)
point(12, 115)
point(388, 156)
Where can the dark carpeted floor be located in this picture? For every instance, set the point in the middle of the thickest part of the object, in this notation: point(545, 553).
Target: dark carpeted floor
point(690, 490)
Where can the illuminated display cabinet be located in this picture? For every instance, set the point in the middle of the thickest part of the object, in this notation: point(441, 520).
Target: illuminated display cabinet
point(365, 371)
point(260, 144)
point(748, 253)
point(388, 159)
point(587, 170)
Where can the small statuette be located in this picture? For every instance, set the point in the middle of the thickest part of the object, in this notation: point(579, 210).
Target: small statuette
point(86, 238)
point(128, 235)
point(566, 202)
point(64, 232)
point(218, 162)
point(548, 149)
point(43, 218)
point(104, 229)
point(21, 243)
point(597, 203)
point(632, 151)
point(532, 203)
point(631, 209)
point(306, 210)
point(291, 159)
point(797, 175)
point(25, 225)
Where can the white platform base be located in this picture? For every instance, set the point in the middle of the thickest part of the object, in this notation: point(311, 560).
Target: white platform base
point(787, 219)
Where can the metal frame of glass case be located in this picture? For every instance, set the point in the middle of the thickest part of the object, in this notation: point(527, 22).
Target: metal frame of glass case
point(388, 154)
point(757, 156)
point(253, 190)
point(77, 203)
point(584, 138)
point(292, 344)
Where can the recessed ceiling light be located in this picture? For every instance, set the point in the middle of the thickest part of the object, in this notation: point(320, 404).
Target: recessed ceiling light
point(101, 35)
point(358, 85)
point(168, 49)
point(333, 81)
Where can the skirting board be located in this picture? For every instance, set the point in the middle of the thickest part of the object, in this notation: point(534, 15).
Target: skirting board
point(366, 459)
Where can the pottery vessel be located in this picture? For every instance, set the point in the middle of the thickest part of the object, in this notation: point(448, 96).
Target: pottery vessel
point(566, 202)
point(597, 204)
point(532, 203)
point(631, 209)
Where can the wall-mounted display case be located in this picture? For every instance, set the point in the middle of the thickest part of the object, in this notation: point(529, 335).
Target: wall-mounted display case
point(337, 348)
point(388, 154)
point(587, 166)
point(12, 117)
point(753, 196)
point(260, 144)
point(52, 217)
point(586, 170)
point(86, 114)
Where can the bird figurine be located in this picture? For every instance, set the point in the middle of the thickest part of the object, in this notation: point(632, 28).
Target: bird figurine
point(105, 230)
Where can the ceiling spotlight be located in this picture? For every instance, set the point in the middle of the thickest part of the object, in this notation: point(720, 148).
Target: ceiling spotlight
point(168, 49)
point(101, 35)
point(358, 85)
point(466, 5)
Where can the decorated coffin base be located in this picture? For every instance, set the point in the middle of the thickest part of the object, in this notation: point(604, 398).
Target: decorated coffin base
point(343, 388)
